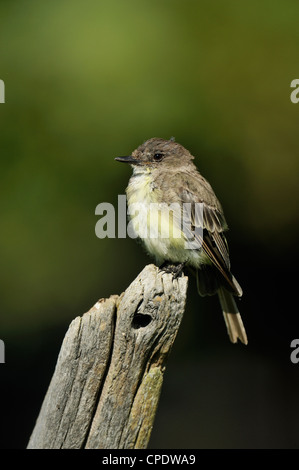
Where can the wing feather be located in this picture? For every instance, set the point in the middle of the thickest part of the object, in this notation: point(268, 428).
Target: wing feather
point(213, 224)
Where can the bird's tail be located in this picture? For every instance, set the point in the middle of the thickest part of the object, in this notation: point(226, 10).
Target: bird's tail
point(232, 317)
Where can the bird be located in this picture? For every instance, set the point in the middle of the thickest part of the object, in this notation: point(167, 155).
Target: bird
point(192, 233)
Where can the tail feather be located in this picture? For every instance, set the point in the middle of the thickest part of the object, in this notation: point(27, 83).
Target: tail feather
point(232, 317)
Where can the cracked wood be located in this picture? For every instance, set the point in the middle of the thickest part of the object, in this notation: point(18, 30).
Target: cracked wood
point(106, 385)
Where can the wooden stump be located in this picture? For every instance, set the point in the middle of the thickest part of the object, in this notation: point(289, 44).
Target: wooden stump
point(107, 381)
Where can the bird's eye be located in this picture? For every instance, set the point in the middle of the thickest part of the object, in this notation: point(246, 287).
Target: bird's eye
point(158, 157)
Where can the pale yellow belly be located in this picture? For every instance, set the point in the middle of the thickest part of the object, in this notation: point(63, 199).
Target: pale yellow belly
point(156, 226)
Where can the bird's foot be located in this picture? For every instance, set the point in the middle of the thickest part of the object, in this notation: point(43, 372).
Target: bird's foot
point(175, 269)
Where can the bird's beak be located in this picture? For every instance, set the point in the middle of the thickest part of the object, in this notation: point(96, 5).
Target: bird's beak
point(128, 159)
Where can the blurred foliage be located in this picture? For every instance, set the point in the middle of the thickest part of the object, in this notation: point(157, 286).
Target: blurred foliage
point(88, 81)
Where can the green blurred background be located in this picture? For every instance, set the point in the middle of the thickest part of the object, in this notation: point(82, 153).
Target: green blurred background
point(88, 81)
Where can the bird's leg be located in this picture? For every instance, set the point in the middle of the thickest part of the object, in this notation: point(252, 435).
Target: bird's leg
point(175, 269)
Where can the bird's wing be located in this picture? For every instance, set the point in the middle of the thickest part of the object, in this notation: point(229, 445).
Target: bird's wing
point(209, 220)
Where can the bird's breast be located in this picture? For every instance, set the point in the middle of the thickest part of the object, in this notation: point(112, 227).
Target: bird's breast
point(149, 218)
point(141, 189)
point(142, 196)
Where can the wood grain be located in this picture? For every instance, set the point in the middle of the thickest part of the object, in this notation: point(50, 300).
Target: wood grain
point(106, 385)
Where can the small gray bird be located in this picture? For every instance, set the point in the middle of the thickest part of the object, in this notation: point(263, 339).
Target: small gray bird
point(164, 175)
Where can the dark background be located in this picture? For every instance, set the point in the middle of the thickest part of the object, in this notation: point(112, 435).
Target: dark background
point(88, 81)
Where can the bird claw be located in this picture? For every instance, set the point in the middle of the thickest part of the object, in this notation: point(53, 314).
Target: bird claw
point(175, 269)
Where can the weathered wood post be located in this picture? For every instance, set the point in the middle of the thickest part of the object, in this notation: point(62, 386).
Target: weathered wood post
point(107, 381)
